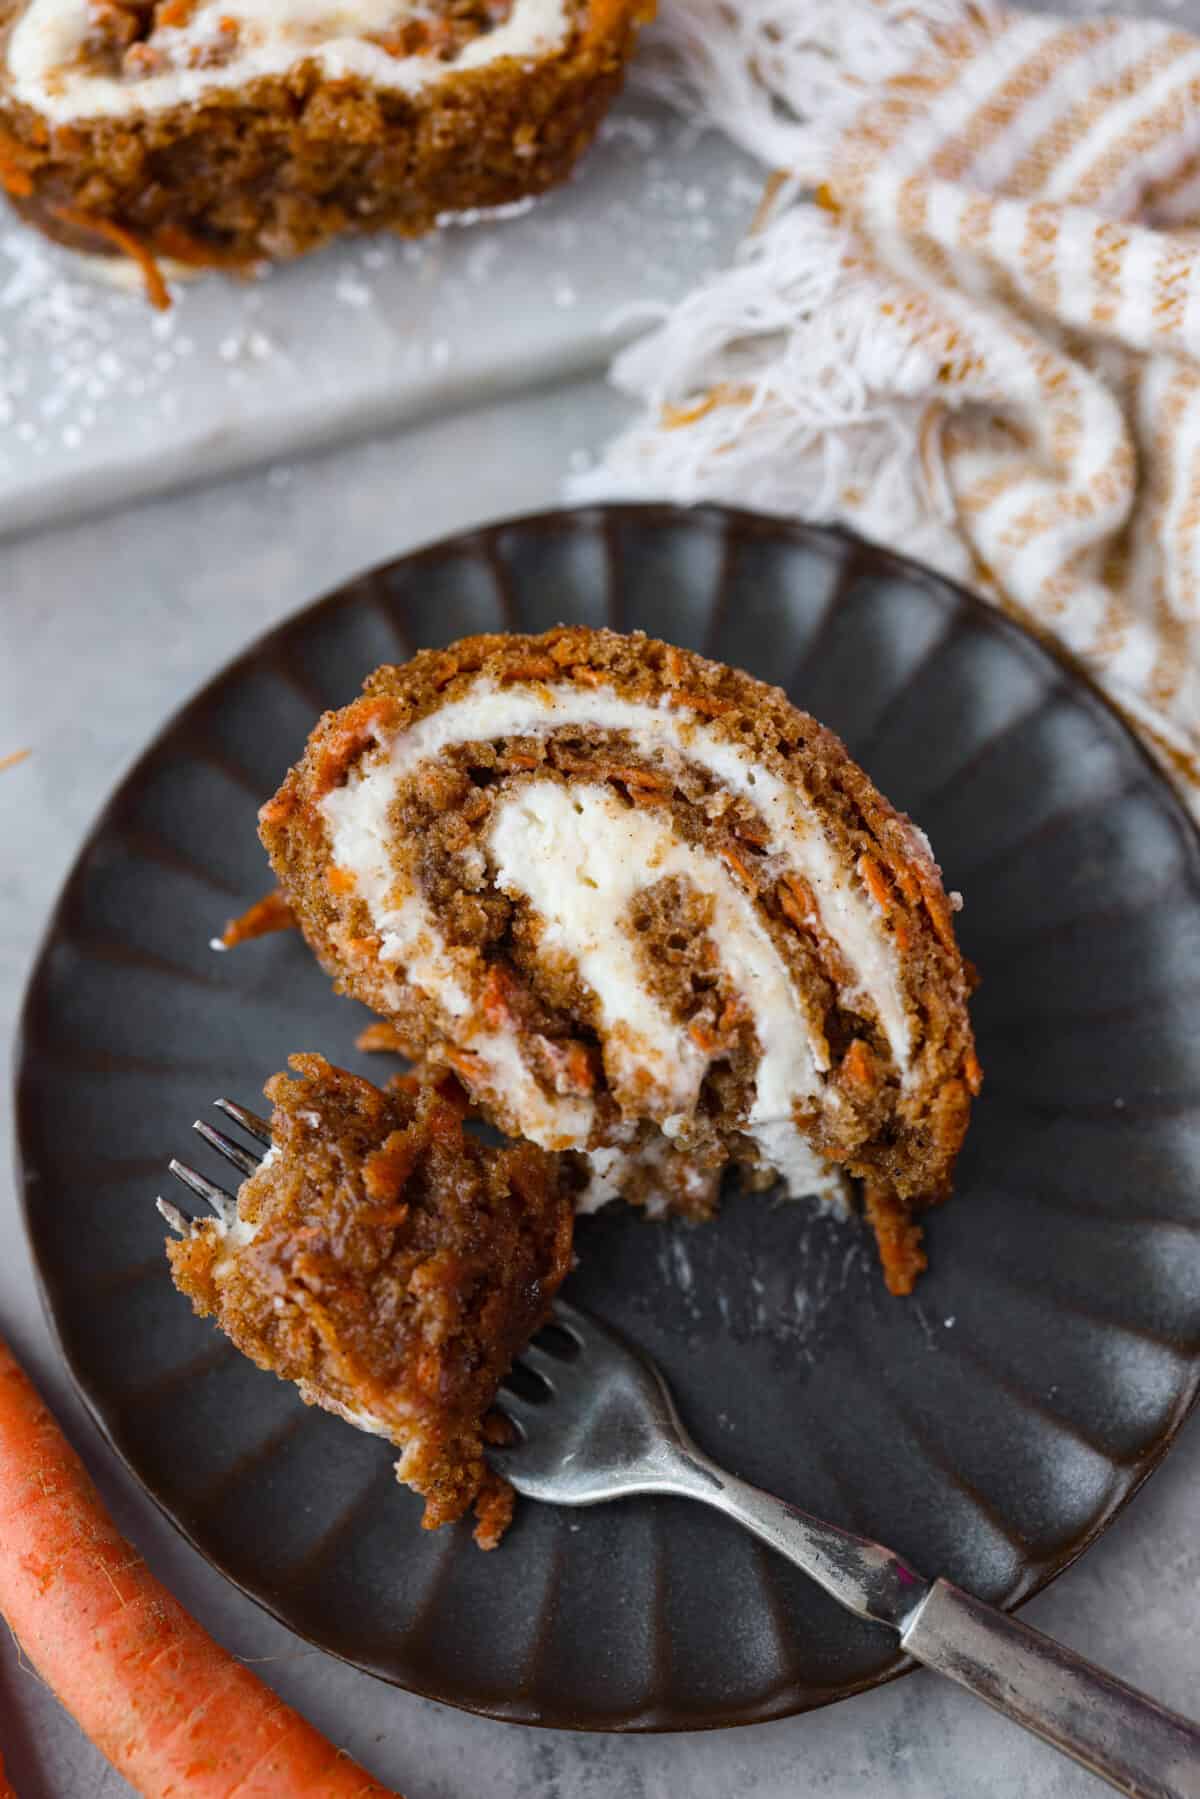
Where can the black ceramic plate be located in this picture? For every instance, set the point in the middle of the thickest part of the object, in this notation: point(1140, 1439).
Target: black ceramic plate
point(988, 1428)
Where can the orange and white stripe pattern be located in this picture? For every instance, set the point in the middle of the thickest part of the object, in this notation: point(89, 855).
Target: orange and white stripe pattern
point(974, 332)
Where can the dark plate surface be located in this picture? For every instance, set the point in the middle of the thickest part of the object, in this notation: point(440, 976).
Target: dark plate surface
point(988, 1428)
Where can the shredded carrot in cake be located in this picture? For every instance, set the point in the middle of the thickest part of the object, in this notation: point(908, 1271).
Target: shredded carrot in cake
point(875, 881)
point(637, 777)
point(580, 1070)
point(973, 1071)
point(858, 1065)
point(939, 913)
point(14, 180)
point(898, 1238)
point(618, 771)
point(384, 1217)
point(799, 906)
point(271, 913)
point(466, 1063)
point(571, 1065)
point(362, 947)
point(500, 989)
point(174, 13)
point(732, 1014)
point(340, 880)
point(359, 728)
point(157, 291)
point(907, 882)
point(382, 1037)
point(796, 910)
point(734, 861)
point(699, 702)
point(388, 1168)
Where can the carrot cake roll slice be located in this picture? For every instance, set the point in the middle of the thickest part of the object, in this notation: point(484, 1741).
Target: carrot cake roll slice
point(392, 1266)
point(229, 132)
point(646, 910)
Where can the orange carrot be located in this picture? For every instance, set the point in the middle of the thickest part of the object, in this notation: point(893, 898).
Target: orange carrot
point(465, 1062)
point(174, 12)
point(271, 913)
point(635, 777)
point(939, 912)
point(581, 1076)
point(630, 776)
point(157, 291)
point(734, 861)
point(361, 948)
point(707, 703)
point(7, 1790)
point(358, 727)
point(14, 176)
point(173, 1711)
point(383, 1036)
point(387, 1168)
point(794, 910)
point(500, 990)
point(875, 882)
point(858, 1065)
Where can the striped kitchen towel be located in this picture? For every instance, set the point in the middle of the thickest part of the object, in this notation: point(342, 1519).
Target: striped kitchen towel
point(967, 322)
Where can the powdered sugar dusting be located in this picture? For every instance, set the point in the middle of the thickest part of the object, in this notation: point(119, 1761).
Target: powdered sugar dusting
point(100, 399)
point(72, 353)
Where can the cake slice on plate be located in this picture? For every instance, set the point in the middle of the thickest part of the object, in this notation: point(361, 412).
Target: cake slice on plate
point(392, 1266)
point(648, 912)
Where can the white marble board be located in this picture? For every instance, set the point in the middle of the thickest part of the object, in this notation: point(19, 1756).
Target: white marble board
point(103, 400)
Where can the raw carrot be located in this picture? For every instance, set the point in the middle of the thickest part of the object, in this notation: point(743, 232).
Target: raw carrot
point(7, 1790)
point(174, 1713)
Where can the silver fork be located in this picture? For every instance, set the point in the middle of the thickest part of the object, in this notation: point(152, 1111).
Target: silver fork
point(606, 1428)
point(219, 1199)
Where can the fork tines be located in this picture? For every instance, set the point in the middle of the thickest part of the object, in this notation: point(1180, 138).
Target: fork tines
point(222, 1202)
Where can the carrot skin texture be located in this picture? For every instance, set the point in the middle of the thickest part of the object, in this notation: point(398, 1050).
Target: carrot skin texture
point(177, 1715)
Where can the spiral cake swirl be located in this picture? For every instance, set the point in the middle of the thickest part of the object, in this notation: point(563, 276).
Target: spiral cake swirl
point(647, 911)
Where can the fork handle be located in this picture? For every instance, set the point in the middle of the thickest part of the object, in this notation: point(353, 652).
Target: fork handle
point(1110, 1728)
